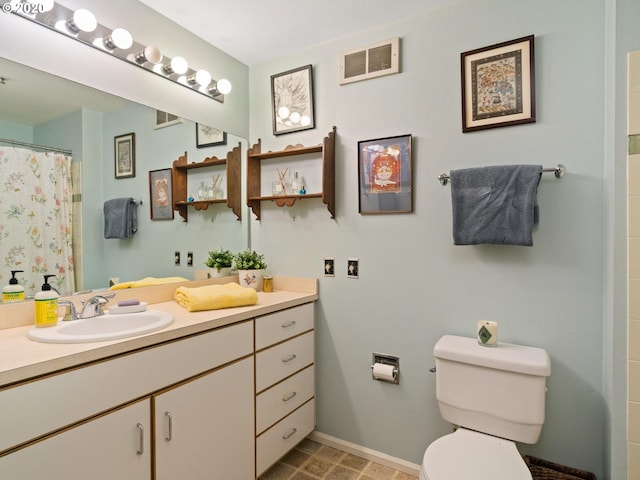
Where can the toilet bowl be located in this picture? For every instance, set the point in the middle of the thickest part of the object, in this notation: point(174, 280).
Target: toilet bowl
point(469, 455)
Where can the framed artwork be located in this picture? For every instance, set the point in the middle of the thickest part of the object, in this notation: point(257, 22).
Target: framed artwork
point(498, 85)
point(160, 194)
point(385, 180)
point(124, 148)
point(207, 136)
point(292, 100)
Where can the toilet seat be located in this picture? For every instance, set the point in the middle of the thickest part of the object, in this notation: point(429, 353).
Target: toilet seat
point(469, 455)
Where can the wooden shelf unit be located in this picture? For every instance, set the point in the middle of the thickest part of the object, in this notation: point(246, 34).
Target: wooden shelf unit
point(179, 181)
point(255, 156)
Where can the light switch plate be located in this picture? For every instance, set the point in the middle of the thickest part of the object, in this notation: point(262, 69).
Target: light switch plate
point(353, 267)
point(176, 258)
point(329, 267)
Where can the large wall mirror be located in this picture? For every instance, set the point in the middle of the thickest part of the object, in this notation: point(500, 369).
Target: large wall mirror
point(43, 109)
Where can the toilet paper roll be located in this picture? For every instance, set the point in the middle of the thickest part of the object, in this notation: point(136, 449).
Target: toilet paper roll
point(383, 372)
point(487, 333)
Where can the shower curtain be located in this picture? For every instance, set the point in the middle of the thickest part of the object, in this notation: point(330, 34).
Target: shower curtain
point(36, 219)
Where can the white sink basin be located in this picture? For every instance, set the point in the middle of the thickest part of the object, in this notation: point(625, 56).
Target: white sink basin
point(103, 327)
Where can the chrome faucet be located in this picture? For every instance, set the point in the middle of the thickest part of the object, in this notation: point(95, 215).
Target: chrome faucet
point(90, 308)
point(93, 307)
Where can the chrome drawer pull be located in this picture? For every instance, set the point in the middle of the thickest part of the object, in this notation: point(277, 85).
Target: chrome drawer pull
point(288, 397)
point(169, 437)
point(290, 434)
point(289, 358)
point(289, 324)
point(140, 439)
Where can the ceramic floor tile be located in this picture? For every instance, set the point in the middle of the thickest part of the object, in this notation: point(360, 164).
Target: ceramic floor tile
point(355, 462)
point(314, 461)
point(379, 472)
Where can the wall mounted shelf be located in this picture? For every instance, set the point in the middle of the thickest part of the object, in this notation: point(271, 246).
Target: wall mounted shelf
point(179, 180)
point(255, 157)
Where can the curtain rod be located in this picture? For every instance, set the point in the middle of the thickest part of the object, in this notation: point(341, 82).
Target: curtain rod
point(31, 145)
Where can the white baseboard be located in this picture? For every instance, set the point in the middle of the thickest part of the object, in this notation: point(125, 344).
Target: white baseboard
point(360, 451)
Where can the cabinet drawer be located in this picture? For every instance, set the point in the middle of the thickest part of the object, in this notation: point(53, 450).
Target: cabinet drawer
point(283, 398)
point(26, 411)
point(279, 326)
point(282, 360)
point(285, 435)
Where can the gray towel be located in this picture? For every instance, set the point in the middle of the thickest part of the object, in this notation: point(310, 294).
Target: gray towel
point(120, 218)
point(495, 204)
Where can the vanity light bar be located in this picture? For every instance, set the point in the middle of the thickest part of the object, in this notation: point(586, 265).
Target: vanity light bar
point(82, 26)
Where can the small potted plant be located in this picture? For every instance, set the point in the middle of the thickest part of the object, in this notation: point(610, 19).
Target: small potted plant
point(250, 266)
point(219, 263)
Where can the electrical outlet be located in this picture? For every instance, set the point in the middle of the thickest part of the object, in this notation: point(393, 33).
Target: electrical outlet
point(176, 258)
point(353, 267)
point(329, 267)
point(190, 259)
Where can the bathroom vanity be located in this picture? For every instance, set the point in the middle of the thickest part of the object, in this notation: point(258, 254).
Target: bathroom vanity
point(218, 394)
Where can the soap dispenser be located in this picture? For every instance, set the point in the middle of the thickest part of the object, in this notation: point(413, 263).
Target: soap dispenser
point(14, 292)
point(46, 302)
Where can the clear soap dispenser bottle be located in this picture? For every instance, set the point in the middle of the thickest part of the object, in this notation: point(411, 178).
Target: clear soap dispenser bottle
point(46, 305)
point(14, 292)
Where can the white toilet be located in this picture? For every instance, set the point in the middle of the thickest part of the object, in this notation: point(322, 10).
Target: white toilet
point(496, 397)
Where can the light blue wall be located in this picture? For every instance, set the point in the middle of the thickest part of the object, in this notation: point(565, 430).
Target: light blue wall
point(414, 285)
point(156, 149)
point(16, 131)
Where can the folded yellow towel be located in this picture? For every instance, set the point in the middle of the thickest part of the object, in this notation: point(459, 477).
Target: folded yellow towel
point(147, 282)
point(213, 297)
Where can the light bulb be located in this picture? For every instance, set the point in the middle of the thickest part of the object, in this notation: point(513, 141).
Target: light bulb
point(201, 77)
point(119, 38)
point(150, 54)
point(178, 65)
point(223, 86)
point(83, 20)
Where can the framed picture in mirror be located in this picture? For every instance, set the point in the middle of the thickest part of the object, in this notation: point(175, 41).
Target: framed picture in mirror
point(125, 155)
point(160, 194)
point(207, 136)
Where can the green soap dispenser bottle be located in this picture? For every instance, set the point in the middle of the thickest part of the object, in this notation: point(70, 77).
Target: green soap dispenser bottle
point(46, 305)
point(14, 292)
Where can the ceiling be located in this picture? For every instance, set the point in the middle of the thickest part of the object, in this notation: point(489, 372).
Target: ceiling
point(255, 31)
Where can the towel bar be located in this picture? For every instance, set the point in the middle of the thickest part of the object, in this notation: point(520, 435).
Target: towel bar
point(558, 171)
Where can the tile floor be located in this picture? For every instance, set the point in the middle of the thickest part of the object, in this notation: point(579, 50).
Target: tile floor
point(313, 461)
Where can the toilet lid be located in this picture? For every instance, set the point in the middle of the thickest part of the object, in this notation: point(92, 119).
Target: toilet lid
point(469, 455)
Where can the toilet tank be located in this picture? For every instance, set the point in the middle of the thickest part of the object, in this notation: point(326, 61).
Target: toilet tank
point(496, 390)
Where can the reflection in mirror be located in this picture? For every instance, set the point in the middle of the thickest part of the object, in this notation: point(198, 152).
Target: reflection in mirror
point(41, 109)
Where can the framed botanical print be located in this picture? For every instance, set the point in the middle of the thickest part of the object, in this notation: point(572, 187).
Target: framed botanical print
point(292, 100)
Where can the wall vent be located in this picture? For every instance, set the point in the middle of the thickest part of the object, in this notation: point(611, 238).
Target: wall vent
point(371, 61)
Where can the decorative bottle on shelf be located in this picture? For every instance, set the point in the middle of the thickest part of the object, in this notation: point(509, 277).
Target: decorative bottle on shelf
point(202, 194)
point(295, 184)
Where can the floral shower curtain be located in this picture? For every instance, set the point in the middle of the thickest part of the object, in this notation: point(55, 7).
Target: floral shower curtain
point(36, 219)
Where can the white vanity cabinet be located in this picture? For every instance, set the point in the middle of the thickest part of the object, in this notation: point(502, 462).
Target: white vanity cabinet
point(285, 394)
point(97, 421)
point(116, 445)
point(204, 429)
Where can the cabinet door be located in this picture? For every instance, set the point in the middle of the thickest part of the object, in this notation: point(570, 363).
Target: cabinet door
point(205, 428)
point(116, 445)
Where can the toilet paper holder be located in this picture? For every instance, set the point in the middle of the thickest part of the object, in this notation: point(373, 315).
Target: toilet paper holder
point(384, 359)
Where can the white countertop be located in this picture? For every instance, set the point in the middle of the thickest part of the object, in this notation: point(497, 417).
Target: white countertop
point(22, 359)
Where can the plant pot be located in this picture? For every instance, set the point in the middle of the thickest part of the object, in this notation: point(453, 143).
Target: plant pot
point(223, 272)
point(250, 278)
